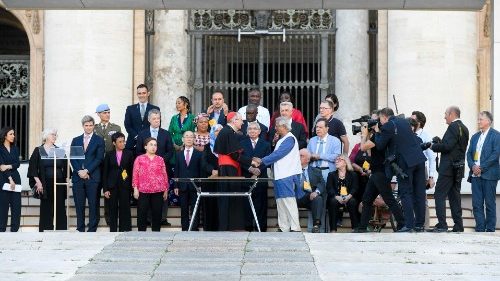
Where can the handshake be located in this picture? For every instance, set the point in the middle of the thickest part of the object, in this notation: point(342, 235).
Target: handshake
point(256, 162)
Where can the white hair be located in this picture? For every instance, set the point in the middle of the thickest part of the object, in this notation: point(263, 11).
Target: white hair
point(285, 122)
point(286, 104)
point(47, 132)
point(254, 125)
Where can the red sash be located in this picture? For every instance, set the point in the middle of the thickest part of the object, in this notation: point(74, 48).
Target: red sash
point(226, 160)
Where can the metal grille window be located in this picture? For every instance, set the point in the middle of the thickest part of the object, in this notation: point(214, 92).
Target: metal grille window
point(303, 64)
point(14, 99)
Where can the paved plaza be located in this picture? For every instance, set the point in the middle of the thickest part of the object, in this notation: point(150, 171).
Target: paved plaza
point(248, 256)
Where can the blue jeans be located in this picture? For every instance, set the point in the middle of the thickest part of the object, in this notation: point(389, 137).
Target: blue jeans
point(484, 193)
point(85, 189)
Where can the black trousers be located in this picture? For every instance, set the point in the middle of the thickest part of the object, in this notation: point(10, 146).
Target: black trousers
point(334, 208)
point(13, 200)
point(446, 186)
point(259, 198)
point(315, 206)
point(210, 209)
point(47, 207)
point(379, 184)
point(119, 209)
point(146, 202)
point(411, 190)
point(231, 209)
point(187, 200)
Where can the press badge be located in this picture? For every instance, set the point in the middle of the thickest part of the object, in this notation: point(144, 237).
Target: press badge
point(124, 174)
point(307, 186)
point(343, 191)
point(476, 156)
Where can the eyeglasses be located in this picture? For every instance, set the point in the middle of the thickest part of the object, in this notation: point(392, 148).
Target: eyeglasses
point(322, 107)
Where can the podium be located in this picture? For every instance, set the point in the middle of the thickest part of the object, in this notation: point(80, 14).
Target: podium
point(252, 182)
point(62, 153)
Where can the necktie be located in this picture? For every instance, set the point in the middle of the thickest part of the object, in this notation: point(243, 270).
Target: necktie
point(86, 140)
point(320, 150)
point(253, 144)
point(154, 133)
point(143, 110)
point(104, 127)
point(188, 158)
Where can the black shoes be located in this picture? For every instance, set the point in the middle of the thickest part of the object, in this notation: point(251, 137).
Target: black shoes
point(419, 229)
point(405, 229)
point(165, 223)
point(437, 230)
point(315, 228)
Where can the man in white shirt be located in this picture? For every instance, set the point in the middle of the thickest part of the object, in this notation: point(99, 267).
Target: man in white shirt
point(263, 116)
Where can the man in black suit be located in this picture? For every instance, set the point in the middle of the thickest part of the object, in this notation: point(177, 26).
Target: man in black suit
point(187, 165)
point(397, 139)
point(311, 192)
point(252, 111)
point(255, 146)
point(136, 116)
point(87, 174)
point(286, 109)
point(218, 110)
point(165, 147)
point(451, 170)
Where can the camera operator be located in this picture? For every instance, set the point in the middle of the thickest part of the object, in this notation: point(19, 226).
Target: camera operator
point(451, 170)
point(378, 183)
point(405, 159)
point(430, 168)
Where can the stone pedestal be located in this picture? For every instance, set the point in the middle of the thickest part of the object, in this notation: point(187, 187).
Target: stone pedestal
point(88, 61)
point(351, 66)
point(170, 70)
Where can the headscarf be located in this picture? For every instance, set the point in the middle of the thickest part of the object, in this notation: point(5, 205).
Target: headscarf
point(213, 137)
point(201, 115)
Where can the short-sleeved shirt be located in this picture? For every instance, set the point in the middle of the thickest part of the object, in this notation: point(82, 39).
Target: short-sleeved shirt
point(336, 128)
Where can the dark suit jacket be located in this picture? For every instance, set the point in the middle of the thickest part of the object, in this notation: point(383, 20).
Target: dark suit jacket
point(112, 175)
point(263, 130)
point(452, 147)
point(93, 158)
point(490, 168)
point(262, 149)
point(397, 137)
point(133, 122)
point(165, 144)
point(222, 118)
point(316, 180)
point(297, 130)
point(9, 158)
point(209, 162)
point(183, 171)
point(351, 179)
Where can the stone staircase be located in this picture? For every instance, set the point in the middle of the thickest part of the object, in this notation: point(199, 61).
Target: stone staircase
point(30, 216)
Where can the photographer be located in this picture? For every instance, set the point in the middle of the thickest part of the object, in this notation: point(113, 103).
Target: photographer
point(404, 159)
point(378, 183)
point(451, 170)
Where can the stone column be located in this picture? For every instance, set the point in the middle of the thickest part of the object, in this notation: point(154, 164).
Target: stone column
point(170, 68)
point(382, 58)
point(352, 84)
point(88, 61)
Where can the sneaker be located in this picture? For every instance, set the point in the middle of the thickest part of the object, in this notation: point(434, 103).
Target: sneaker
point(405, 229)
point(315, 229)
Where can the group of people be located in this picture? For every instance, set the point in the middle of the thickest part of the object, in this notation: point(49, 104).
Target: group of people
point(314, 173)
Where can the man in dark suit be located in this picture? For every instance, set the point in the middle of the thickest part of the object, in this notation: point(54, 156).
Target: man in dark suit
point(252, 111)
point(136, 116)
point(187, 165)
point(310, 194)
point(482, 158)
point(255, 146)
point(87, 174)
point(451, 170)
point(286, 109)
point(218, 110)
point(165, 147)
point(397, 139)
point(117, 182)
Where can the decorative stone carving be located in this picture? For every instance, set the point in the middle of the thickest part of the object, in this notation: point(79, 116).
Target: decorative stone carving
point(34, 19)
point(14, 78)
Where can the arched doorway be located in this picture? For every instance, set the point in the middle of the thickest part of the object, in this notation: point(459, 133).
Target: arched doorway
point(15, 79)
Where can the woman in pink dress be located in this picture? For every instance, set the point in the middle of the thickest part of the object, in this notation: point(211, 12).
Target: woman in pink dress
point(150, 183)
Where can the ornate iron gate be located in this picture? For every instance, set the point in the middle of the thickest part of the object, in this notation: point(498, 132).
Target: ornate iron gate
point(302, 65)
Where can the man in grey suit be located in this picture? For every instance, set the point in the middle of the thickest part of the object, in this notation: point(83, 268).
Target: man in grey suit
point(311, 191)
point(482, 159)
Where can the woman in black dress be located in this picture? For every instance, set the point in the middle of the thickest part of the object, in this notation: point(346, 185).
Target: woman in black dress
point(41, 175)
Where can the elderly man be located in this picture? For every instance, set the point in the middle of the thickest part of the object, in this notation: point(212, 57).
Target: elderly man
point(136, 116)
point(87, 174)
point(311, 191)
point(287, 170)
point(324, 149)
point(231, 159)
point(218, 110)
point(286, 109)
point(482, 158)
point(165, 148)
point(105, 129)
point(254, 97)
point(451, 170)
